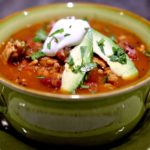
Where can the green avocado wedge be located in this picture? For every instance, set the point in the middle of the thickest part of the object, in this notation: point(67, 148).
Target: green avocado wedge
point(122, 65)
point(82, 54)
point(75, 68)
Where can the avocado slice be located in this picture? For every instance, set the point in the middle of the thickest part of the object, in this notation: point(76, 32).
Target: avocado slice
point(74, 71)
point(104, 47)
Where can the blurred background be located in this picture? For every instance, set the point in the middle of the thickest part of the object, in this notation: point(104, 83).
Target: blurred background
point(141, 7)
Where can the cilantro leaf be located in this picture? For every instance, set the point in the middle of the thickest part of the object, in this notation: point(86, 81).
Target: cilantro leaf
point(40, 36)
point(67, 34)
point(101, 45)
point(85, 19)
point(84, 86)
point(37, 55)
point(76, 69)
point(70, 60)
point(147, 53)
point(56, 32)
point(114, 58)
point(49, 44)
point(118, 55)
point(86, 29)
point(40, 77)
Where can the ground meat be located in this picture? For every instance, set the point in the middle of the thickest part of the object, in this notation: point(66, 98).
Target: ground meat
point(13, 50)
point(111, 77)
point(53, 81)
point(29, 51)
point(34, 62)
point(141, 48)
point(107, 71)
point(109, 86)
point(100, 62)
point(49, 71)
point(102, 73)
point(43, 71)
point(122, 38)
point(63, 53)
point(22, 81)
point(47, 61)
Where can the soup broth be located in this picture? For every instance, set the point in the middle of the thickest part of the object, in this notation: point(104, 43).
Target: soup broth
point(45, 73)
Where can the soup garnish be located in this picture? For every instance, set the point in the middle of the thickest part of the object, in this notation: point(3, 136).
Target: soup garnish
point(74, 56)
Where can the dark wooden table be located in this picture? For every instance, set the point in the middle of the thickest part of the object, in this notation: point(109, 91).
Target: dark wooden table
point(141, 7)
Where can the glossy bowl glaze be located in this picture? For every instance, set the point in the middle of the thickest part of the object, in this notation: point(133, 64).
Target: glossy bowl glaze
point(74, 119)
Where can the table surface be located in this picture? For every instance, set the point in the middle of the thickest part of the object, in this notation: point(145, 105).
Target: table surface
point(141, 7)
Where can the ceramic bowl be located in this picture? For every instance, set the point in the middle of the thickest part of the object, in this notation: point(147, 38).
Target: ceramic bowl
point(74, 119)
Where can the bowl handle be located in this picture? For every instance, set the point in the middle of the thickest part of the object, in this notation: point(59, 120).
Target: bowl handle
point(3, 105)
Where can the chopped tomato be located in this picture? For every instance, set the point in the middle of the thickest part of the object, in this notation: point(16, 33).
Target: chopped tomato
point(51, 82)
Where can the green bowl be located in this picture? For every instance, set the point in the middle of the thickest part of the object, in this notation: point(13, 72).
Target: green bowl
point(75, 119)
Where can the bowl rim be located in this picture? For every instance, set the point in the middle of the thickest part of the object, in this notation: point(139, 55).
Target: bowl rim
point(74, 97)
point(95, 4)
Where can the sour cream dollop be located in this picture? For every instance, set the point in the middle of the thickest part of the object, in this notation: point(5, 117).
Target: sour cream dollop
point(65, 32)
